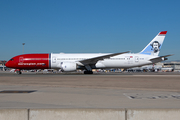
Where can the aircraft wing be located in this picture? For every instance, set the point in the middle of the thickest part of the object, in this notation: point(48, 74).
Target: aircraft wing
point(96, 59)
point(161, 57)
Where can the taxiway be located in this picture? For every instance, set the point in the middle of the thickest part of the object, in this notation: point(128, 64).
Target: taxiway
point(111, 90)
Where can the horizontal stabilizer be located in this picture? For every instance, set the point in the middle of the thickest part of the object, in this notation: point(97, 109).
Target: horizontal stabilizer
point(162, 58)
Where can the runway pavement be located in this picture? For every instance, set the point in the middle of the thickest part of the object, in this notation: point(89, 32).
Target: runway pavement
point(101, 90)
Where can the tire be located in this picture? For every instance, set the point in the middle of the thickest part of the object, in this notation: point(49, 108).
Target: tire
point(88, 72)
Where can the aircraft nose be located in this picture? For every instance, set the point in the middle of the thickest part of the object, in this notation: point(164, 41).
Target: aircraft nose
point(7, 64)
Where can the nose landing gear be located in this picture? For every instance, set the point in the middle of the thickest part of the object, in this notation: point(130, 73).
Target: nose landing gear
point(18, 71)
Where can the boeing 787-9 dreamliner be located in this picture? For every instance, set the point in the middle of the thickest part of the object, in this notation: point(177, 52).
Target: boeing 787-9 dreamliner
point(87, 62)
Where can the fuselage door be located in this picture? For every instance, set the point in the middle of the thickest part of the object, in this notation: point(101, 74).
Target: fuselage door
point(136, 58)
point(53, 59)
point(21, 59)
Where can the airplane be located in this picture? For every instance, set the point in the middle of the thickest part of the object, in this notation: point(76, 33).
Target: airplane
point(87, 62)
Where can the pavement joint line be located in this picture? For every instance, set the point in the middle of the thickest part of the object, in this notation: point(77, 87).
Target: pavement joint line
point(158, 75)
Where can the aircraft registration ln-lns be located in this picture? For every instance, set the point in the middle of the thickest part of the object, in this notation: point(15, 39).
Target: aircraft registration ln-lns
point(87, 62)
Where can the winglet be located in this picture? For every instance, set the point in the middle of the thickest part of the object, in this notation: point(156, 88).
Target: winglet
point(163, 33)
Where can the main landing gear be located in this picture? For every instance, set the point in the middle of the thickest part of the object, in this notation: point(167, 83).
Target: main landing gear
point(88, 72)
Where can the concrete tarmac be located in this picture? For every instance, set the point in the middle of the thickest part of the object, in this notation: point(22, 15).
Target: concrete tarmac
point(75, 90)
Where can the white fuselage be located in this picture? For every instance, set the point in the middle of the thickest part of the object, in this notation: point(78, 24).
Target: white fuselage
point(119, 61)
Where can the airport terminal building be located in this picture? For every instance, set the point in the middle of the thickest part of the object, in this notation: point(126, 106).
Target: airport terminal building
point(174, 65)
point(2, 65)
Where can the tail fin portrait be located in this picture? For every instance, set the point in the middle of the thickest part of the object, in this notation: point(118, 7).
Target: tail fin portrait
point(155, 45)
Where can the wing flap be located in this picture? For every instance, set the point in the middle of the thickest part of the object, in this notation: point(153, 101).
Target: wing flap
point(96, 59)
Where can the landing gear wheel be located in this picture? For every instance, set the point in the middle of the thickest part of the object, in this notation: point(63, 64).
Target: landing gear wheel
point(88, 72)
point(18, 72)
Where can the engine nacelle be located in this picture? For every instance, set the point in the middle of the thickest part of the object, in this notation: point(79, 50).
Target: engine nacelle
point(68, 66)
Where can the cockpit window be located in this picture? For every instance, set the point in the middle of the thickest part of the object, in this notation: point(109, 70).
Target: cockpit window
point(11, 59)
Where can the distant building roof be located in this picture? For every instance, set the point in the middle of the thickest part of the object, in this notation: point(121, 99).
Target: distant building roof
point(171, 63)
point(2, 61)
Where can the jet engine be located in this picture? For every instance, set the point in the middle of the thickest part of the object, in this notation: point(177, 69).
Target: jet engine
point(68, 66)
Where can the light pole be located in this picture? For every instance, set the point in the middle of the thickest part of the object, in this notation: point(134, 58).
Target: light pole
point(23, 47)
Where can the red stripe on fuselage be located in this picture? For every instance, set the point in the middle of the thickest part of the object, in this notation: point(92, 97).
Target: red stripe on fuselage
point(29, 61)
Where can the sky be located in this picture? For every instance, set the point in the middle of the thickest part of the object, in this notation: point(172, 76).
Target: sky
point(87, 26)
